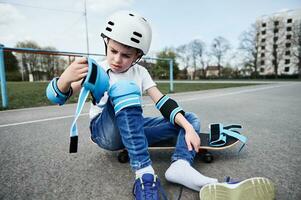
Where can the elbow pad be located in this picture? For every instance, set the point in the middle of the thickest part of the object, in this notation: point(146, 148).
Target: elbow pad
point(55, 95)
point(169, 108)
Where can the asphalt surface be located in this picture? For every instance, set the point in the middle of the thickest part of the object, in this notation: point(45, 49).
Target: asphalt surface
point(35, 163)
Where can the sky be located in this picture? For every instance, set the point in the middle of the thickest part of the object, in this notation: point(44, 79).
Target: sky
point(61, 23)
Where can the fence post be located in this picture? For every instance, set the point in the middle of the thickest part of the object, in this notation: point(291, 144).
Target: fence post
point(171, 76)
point(2, 78)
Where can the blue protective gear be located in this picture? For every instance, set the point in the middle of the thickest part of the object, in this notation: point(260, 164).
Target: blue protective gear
point(124, 94)
point(219, 134)
point(169, 108)
point(55, 95)
point(96, 82)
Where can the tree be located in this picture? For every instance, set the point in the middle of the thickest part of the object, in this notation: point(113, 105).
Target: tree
point(29, 61)
point(40, 66)
point(249, 46)
point(184, 55)
point(161, 69)
point(50, 63)
point(219, 48)
point(196, 48)
point(11, 67)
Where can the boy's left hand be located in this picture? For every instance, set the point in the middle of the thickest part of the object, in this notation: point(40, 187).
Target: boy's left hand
point(192, 139)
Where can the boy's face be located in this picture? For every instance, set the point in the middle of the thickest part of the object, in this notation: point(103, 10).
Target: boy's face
point(120, 57)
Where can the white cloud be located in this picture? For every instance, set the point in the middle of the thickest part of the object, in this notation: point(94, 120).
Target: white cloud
point(9, 14)
point(105, 6)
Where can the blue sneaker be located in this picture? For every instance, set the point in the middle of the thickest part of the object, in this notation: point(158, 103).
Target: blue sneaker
point(257, 188)
point(148, 187)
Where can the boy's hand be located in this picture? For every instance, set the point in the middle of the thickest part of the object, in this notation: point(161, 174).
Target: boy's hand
point(192, 139)
point(76, 71)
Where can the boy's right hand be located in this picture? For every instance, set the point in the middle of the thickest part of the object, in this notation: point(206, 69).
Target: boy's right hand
point(76, 71)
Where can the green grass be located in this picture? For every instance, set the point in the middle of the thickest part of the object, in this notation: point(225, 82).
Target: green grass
point(186, 87)
point(32, 94)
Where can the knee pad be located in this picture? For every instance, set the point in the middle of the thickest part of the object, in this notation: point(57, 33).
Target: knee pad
point(96, 81)
point(124, 94)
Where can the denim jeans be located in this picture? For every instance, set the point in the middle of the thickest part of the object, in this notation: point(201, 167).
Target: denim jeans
point(129, 129)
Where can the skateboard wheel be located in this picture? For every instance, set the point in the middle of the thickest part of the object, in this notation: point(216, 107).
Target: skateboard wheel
point(208, 158)
point(123, 156)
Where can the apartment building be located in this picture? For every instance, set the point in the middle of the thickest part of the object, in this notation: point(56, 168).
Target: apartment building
point(278, 42)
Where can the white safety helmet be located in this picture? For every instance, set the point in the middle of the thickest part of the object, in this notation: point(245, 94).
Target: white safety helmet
point(130, 29)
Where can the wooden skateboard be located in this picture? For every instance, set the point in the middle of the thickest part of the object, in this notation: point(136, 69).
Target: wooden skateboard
point(204, 153)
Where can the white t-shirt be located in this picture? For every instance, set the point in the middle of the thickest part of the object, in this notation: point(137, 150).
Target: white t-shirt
point(135, 73)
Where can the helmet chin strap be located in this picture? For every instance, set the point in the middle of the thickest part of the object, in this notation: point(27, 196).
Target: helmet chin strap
point(137, 60)
point(106, 46)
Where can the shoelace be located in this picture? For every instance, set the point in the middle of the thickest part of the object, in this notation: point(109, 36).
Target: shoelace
point(150, 189)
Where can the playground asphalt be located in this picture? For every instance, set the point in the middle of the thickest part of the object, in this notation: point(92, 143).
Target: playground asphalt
point(35, 163)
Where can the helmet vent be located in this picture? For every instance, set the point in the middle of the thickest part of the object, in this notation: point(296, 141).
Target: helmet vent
point(108, 29)
point(131, 15)
point(111, 23)
point(143, 18)
point(137, 34)
point(135, 40)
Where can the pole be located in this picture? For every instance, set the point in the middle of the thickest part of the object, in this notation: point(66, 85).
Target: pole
point(86, 23)
point(2, 78)
point(171, 76)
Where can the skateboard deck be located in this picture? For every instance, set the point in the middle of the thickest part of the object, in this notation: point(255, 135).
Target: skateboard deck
point(171, 143)
point(205, 143)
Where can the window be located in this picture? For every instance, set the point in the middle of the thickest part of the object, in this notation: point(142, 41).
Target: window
point(288, 37)
point(263, 32)
point(275, 46)
point(275, 39)
point(263, 40)
point(263, 24)
point(262, 62)
point(287, 45)
point(276, 23)
point(262, 55)
point(287, 53)
point(261, 70)
point(263, 47)
point(287, 61)
point(286, 69)
point(289, 20)
point(274, 62)
point(276, 30)
point(289, 28)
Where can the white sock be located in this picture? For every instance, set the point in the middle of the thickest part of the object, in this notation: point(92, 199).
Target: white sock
point(146, 170)
point(183, 173)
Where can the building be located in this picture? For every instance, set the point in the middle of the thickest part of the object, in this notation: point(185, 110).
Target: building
point(212, 71)
point(278, 42)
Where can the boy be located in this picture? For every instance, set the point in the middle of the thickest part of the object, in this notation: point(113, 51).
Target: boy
point(117, 121)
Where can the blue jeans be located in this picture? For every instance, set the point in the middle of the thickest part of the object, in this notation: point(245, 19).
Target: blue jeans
point(129, 129)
